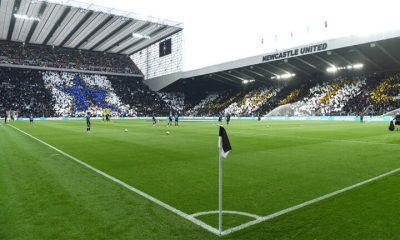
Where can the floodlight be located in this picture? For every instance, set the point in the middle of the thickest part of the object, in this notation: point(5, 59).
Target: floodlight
point(332, 69)
point(248, 81)
point(25, 17)
point(138, 35)
point(284, 76)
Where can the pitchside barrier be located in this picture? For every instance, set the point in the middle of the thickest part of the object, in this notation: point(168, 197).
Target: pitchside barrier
point(275, 118)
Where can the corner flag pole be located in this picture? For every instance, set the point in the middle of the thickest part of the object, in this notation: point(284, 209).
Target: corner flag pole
point(224, 147)
point(220, 193)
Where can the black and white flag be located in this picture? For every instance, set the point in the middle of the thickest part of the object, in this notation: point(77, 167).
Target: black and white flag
point(223, 142)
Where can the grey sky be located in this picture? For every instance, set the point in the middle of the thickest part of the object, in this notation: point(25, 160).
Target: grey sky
point(223, 30)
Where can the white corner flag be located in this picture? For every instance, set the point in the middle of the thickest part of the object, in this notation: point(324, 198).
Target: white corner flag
point(224, 147)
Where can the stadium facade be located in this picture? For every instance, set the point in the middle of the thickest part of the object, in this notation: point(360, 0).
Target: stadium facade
point(376, 51)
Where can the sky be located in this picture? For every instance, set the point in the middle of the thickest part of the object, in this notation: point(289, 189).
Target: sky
point(217, 31)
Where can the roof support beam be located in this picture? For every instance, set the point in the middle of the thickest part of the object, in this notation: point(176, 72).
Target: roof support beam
point(277, 68)
point(109, 35)
point(298, 69)
point(323, 60)
point(137, 30)
point(35, 24)
point(254, 72)
point(152, 41)
point(226, 78)
point(233, 76)
point(248, 76)
point(388, 54)
point(223, 80)
point(86, 17)
point(108, 19)
point(260, 78)
point(309, 64)
point(138, 42)
point(57, 25)
point(368, 59)
point(16, 6)
point(265, 70)
point(342, 58)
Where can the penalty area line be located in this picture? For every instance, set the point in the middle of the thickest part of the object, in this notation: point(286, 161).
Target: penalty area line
point(135, 190)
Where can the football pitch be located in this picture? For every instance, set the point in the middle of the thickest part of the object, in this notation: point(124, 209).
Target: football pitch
point(282, 180)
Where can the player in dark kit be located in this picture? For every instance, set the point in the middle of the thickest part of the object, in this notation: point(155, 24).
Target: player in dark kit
point(176, 119)
point(220, 119)
point(170, 120)
point(88, 124)
point(154, 120)
point(31, 120)
point(228, 119)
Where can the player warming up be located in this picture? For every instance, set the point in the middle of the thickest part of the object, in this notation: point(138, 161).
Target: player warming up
point(154, 120)
point(170, 119)
point(88, 124)
point(228, 119)
point(177, 119)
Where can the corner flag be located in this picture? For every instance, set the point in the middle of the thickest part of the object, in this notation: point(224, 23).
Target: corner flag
point(223, 142)
point(224, 147)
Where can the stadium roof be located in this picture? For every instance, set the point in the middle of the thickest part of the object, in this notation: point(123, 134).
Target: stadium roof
point(373, 53)
point(82, 26)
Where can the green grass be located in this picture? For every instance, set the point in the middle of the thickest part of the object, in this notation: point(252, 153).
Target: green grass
point(273, 165)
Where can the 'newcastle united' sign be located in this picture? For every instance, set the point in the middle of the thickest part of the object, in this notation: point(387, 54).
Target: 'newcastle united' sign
point(295, 52)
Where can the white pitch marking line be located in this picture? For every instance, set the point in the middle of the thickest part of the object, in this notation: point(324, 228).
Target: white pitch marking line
point(143, 194)
point(315, 200)
point(226, 212)
point(322, 139)
point(200, 223)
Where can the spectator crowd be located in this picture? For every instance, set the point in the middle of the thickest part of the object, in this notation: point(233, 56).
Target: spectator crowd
point(47, 56)
point(24, 92)
point(57, 93)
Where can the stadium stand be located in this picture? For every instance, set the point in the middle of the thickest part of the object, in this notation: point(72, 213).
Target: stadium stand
point(194, 111)
point(58, 93)
point(23, 90)
point(330, 97)
point(251, 102)
point(136, 94)
point(46, 56)
point(346, 95)
point(76, 95)
point(384, 96)
point(174, 101)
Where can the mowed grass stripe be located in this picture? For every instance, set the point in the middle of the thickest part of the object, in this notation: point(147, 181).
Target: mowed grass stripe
point(267, 174)
point(133, 189)
point(46, 196)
